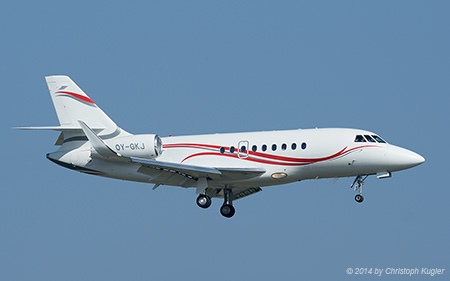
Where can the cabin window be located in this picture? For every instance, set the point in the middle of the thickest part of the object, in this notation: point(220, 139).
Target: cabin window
point(369, 138)
point(222, 150)
point(232, 149)
point(359, 138)
point(243, 149)
point(378, 139)
point(283, 146)
point(264, 147)
point(274, 147)
point(254, 148)
point(304, 145)
point(294, 146)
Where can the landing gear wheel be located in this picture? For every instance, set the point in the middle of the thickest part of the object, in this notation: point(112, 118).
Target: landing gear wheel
point(203, 201)
point(227, 210)
point(359, 198)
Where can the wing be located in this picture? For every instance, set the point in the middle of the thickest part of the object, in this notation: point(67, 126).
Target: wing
point(199, 171)
point(174, 173)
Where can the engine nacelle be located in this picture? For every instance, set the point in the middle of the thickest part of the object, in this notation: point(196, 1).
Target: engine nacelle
point(142, 146)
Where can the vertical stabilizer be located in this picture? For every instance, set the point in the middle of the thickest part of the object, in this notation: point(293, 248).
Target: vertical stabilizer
point(72, 104)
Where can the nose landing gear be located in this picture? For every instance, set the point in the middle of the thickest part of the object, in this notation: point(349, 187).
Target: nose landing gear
point(357, 185)
point(359, 198)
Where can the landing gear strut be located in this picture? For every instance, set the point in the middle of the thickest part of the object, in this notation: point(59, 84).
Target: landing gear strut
point(227, 210)
point(357, 185)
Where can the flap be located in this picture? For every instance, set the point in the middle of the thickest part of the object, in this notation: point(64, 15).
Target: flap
point(240, 173)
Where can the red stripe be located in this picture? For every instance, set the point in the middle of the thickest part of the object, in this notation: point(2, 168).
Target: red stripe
point(191, 145)
point(78, 96)
point(297, 161)
point(269, 156)
point(248, 159)
point(290, 159)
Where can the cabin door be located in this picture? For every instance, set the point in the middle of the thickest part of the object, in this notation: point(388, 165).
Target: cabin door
point(243, 149)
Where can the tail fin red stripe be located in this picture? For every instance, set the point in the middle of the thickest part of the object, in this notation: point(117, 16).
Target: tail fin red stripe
point(83, 98)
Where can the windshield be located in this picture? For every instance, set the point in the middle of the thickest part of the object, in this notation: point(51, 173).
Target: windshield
point(369, 138)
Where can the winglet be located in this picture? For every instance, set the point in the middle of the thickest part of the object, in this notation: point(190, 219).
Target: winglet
point(97, 143)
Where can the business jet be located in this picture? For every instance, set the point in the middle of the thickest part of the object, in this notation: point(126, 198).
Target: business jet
point(229, 166)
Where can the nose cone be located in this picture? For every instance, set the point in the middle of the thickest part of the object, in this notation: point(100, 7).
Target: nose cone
point(401, 159)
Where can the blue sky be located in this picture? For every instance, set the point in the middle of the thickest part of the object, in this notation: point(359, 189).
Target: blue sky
point(191, 67)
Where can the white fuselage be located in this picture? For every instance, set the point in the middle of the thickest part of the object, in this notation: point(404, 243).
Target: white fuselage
point(286, 156)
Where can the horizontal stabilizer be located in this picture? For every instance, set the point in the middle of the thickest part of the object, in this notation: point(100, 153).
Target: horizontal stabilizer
point(58, 128)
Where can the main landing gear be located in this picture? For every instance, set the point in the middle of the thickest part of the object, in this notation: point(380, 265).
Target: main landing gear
point(357, 185)
point(204, 201)
point(227, 210)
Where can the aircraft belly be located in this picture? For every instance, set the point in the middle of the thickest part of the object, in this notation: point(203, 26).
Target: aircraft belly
point(117, 170)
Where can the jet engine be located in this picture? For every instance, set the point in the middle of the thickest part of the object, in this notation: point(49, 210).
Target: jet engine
point(142, 146)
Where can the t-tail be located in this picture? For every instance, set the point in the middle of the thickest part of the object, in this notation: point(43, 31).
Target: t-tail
point(87, 133)
point(73, 105)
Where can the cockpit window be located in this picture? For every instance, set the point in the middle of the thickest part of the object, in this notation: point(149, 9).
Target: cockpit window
point(369, 138)
point(359, 138)
point(378, 139)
